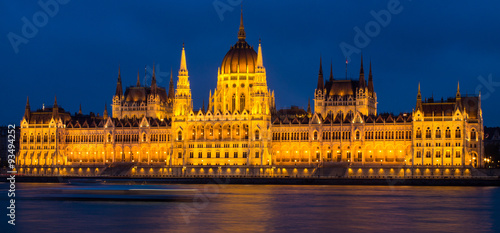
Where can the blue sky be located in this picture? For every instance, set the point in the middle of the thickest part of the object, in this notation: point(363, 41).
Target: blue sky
point(76, 51)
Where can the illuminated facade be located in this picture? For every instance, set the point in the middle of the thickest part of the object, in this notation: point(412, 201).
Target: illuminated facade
point(158, 129)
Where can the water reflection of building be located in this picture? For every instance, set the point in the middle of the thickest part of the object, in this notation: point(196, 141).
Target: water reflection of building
point(158, 128)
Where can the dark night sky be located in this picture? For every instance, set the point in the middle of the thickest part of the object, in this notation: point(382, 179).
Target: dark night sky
point(76, 54)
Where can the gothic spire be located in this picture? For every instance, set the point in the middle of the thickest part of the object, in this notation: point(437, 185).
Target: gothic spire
point(260, 63)
point(320, 76)
point(27, 110)
point(119, 89)
point(309, 107)
point(331, 71)
point(458, 90)
point(55, 102)
point(105, 115)
point(80, 110)
point(362, 74)
point(183, 69)
point(171, 91)
point(153, 81)
point(419, 98)
point(241, 32)
point(370, 80)
point(138, 79)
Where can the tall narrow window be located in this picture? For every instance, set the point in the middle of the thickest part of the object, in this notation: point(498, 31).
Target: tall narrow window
point(242, 102)
point(257, 136)
point(458, 133)
point(233, 103)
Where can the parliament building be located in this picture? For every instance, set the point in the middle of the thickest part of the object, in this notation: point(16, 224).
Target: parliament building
point(153, 130)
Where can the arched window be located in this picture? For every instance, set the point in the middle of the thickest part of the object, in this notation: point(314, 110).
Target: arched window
point(419, 133)
point(143, 137)
point(438, 132)
point(242, 102)
point(193, 133)
point(448, 132)
point(428, 133)
point(257, 136)
point(25, 137)
point(179, 135)
point(357, 135)
point(315, 135)
point(109, 137)
point(38, 138)
point(458, 133)
point(233, 103)
point(52, 138)
point(473, 135)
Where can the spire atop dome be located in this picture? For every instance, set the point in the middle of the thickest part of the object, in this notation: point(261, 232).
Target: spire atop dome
point(55, 102)
point(241, 32)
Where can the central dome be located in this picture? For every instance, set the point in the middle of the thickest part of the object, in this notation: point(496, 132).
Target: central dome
point(240, 55)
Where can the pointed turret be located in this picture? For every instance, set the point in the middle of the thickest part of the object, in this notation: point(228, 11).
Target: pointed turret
point(183, 102)
point(55, 102)
point(241, 32)
point(55, 109)
point(153, 82)
point(260, 63)
point(119, 89)
point(183, 69)
point(105, 114)
point(309, 113)
point(320, 77)
point(331, 71)
point(171, 91)
point(27, 110)
point(458, 98)
point(138, 79)
point(370, 81)
point(362, 83)
point(419, 98)
point(80, 110)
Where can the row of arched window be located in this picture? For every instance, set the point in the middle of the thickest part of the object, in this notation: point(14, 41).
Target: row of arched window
point(447, 133)
point(39, 138)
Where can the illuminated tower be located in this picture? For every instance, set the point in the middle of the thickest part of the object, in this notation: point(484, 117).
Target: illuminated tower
point(183, 103)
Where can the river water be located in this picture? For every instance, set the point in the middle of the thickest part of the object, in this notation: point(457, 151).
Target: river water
point(266, 208)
